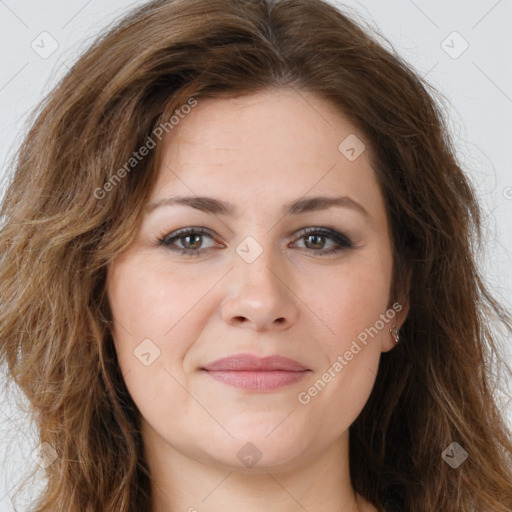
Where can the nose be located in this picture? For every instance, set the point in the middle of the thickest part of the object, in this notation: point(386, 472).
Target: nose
point(259, 296)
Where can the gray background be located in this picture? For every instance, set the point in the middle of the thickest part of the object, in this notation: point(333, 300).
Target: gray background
point(40, 40)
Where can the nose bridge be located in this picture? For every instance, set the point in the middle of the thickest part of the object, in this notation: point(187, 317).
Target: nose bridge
point(257, 267)
point(258, 292)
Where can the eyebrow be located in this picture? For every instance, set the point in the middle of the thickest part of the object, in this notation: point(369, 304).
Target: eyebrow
point(217, 207)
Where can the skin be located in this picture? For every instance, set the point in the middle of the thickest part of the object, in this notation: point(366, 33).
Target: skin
point(258, 152)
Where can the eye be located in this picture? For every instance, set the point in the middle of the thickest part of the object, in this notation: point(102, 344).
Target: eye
point(315, 238)
point(191, 240)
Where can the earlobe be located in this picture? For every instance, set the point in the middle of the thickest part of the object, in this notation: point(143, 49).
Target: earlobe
point(395, 333)
point(392, 336)
point(401, 315)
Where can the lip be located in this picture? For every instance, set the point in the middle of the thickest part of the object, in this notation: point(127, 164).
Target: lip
point(249, 362)
point(254, 373)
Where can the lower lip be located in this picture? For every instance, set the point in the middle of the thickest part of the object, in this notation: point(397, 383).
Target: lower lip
point(258, 380)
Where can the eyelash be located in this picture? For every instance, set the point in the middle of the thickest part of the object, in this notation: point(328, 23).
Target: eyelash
point(341, 240)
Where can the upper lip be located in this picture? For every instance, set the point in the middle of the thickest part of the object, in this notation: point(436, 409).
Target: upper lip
point(249, 362)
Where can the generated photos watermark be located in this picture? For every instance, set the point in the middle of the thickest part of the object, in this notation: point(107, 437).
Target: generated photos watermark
point(144, 150)
point(304, 397)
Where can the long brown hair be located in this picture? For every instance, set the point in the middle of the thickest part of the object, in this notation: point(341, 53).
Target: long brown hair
point(62, 225)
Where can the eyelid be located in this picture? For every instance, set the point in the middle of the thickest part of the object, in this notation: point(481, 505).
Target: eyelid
point(338, 237)
point(181, 233)
point(341, 242)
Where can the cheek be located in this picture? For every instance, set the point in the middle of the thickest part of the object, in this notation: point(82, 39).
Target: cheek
point(158, 313)
point(352, 309)
point(150, 307)
point(353, 299)
point(357, 315)
point(149, 301)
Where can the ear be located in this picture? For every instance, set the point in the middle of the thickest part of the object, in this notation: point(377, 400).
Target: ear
point(397, 312)
point(397, 309)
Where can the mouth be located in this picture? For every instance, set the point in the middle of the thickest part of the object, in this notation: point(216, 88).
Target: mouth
point(253, 373)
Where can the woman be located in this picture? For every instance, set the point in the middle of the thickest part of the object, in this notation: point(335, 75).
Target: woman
point(237, 233)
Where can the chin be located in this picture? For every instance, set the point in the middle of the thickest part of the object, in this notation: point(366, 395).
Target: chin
point(250, 451)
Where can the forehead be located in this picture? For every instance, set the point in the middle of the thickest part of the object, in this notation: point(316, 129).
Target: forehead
point(272, 146)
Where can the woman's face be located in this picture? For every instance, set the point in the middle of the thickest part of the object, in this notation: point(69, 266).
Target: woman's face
point(248, 280)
